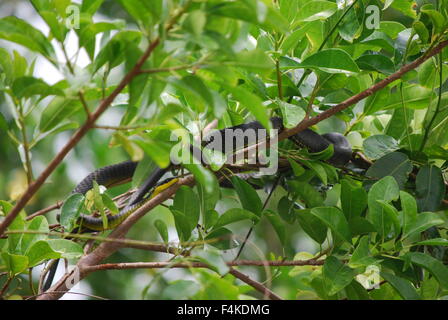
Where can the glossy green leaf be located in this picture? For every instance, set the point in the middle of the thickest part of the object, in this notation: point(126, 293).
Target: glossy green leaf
point(422, 222)
point(221, 238)
point(328, 60)
point(186, 201)
point(409, 207)
point(39, 252)
point(162, 229)
point(248, 196)
point(362, 256)
point(15, 264)
point(402, 286)
point(336, 275)
point(430, 188)
point(386, 190)
point(334, 219)
point(58, 110)
point(316, 10)
point(277, 224)
point(68, 249)
point(395, 164)
point(19, 31)
point(353, 199)
point(432, 265)
point(235, 215)
point(376, 62)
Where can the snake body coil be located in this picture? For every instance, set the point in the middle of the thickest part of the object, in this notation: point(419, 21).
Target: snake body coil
point(113, 174)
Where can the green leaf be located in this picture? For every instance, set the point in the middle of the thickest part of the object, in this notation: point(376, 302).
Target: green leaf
point(25, 87)
point(91, 6)
point(234, 215)
point(196, 92)
point(214, 259)
point(432, 265)
point(409, 207)
point(158, 150)
point(113, 52)
point(316, 10)
point(430, 188)
point(39, 225)
point(306, 193)
point(414, 97)
point(109, 204)
point(71, 210)
point(6, 65)
point(292, 114)
point(381, 40)
point(39, 252)
point(277, 224)
point(248, 196)
point(205, 178)
point(334, 219)
point(187, 202)
point(162, 229)
point(195, 22)
point(318, 169)
point(387, 190)
point(336, 275)
point(180, 289)
point(14, 263)
point(252, 102)
point(327, 60)
point(142, 11)
point(360, 225)
point(395, 164)
point(16, 30)
point(353, 199)
point(68, 249)
point(222, 238)
point(380, 145)
point(183, 225)
point(296, 168)
point(404, 287)
point(376, 62)
point(46, 10)
point(422, 222)
point(312, 225)
point(57, 111)
point(15, 239)
point(392, 215)
point(361, 256)
point(432, 242)
point(437, 19)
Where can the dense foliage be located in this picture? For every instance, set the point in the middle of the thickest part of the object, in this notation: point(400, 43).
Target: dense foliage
point(373, 229)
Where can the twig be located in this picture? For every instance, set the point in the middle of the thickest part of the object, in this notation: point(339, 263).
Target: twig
point(159, 265)
point(55, 206)
point(254, 284)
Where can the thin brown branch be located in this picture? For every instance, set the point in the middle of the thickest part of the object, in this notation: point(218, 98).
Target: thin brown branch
point(55, 206)
point(158, 265)
point(118, 128)
point(170, 69)
point(255, 284)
